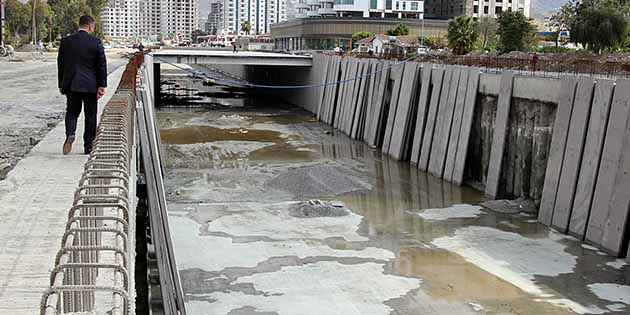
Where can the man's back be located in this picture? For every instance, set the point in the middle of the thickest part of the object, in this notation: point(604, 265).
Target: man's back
point(82, 64)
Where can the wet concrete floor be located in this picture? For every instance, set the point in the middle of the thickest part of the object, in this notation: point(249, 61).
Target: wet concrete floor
point(378, 237)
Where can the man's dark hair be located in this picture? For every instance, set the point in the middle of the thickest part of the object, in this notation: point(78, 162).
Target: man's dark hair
point(86, 20)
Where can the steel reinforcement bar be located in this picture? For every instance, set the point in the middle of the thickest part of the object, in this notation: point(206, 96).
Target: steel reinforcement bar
point(92, 269)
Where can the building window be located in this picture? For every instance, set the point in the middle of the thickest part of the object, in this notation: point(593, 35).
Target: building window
point(388, 4)
point(373, 4)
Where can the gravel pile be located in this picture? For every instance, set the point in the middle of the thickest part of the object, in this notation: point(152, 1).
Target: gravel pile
point(318, 181)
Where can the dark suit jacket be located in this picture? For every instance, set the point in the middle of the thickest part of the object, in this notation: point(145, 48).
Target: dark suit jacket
point(81, 64)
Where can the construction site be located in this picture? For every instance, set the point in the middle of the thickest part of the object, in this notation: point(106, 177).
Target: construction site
point(261, 183)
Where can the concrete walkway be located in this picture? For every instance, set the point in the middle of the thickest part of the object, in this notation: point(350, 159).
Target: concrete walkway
point(34, 203)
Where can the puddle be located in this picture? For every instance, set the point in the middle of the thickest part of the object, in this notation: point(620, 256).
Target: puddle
point(203, 134)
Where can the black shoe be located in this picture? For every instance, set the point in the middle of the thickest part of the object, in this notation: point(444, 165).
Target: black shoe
point(67, 145)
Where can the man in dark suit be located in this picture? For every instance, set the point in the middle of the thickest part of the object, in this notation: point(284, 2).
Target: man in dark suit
point(82, 70)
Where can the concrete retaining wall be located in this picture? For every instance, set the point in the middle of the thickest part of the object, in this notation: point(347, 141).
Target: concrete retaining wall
point(563, 143)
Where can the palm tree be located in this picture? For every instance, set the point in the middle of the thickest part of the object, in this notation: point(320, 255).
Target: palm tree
point(462, 34)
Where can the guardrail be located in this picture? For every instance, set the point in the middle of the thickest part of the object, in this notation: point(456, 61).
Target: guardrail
point(93, 269)
point(149, 139)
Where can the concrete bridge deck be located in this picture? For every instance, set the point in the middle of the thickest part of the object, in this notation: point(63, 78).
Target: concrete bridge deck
point(223, 57)
point(34, 202)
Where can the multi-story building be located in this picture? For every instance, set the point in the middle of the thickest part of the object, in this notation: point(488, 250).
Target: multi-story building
point(179, 18)
point(446, 9)
point(259, 13)
point(214, 24)
point(401, 9)
point(129, 19)
point(121, 19)
point(149, 18)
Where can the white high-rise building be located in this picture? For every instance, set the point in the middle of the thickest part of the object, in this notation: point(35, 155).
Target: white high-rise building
point(121, 19)
point(410, 9)
point(128, 19)
point(259, 13)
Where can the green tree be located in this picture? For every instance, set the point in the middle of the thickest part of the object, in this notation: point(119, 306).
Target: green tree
point(399, 30)
point(436, 41)
point(42, 14)
point(68, 12)
point(487, 28)
point(357, 36)
point(462, 34)
point(600, 26)
point(18, 18)
point(246, 27)
point(514, 31)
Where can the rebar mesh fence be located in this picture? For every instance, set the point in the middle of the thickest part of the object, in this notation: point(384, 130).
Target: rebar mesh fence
point(91, 273)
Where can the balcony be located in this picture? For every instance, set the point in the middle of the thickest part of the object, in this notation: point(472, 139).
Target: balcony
point(300, 16)
point(301, 6)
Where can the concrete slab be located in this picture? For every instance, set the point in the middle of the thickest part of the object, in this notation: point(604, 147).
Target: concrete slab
point(340, 93)
point(467, 120)
point(325, 64)
point(566, 94)
point(612, 155)
point(591, 157)
point(376, 120)
point(34, 202)
point(439, 120)
point(376, 66)
point(421, 117)
point(453, 142)
point(429, 130)
point(573, 154)
point(359, 117)
point(500, 133)
point(402, 121)
point(616, 229)
point(352, 109)
point(447, 123)
point(396, 76)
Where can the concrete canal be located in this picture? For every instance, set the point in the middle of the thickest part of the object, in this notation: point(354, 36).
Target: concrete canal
point(273, 212)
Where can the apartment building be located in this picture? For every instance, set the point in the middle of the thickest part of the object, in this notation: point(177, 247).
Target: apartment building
point(133, 19)
point(121, 19)
point(214, 24)
point(259, 13)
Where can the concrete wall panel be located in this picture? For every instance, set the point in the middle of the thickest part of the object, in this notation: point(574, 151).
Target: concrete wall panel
point(396, 76)
point(376, 120)
point(429, 130)
point(466, 126)
point(359, 117)
point(423, 104)
point(402, 120)
point(556, 152)
point(500, 132)
point(439, 120)
point(453, 142)
point(447, 123)
point(591, 157)
point(573, 153)
point(599, 219)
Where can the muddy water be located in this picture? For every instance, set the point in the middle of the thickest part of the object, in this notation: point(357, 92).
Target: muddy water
point(235, 171)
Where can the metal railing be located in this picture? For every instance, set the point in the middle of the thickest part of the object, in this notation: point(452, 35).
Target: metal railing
point(92, 269)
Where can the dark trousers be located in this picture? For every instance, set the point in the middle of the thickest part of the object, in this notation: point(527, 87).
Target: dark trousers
point(75, 101)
